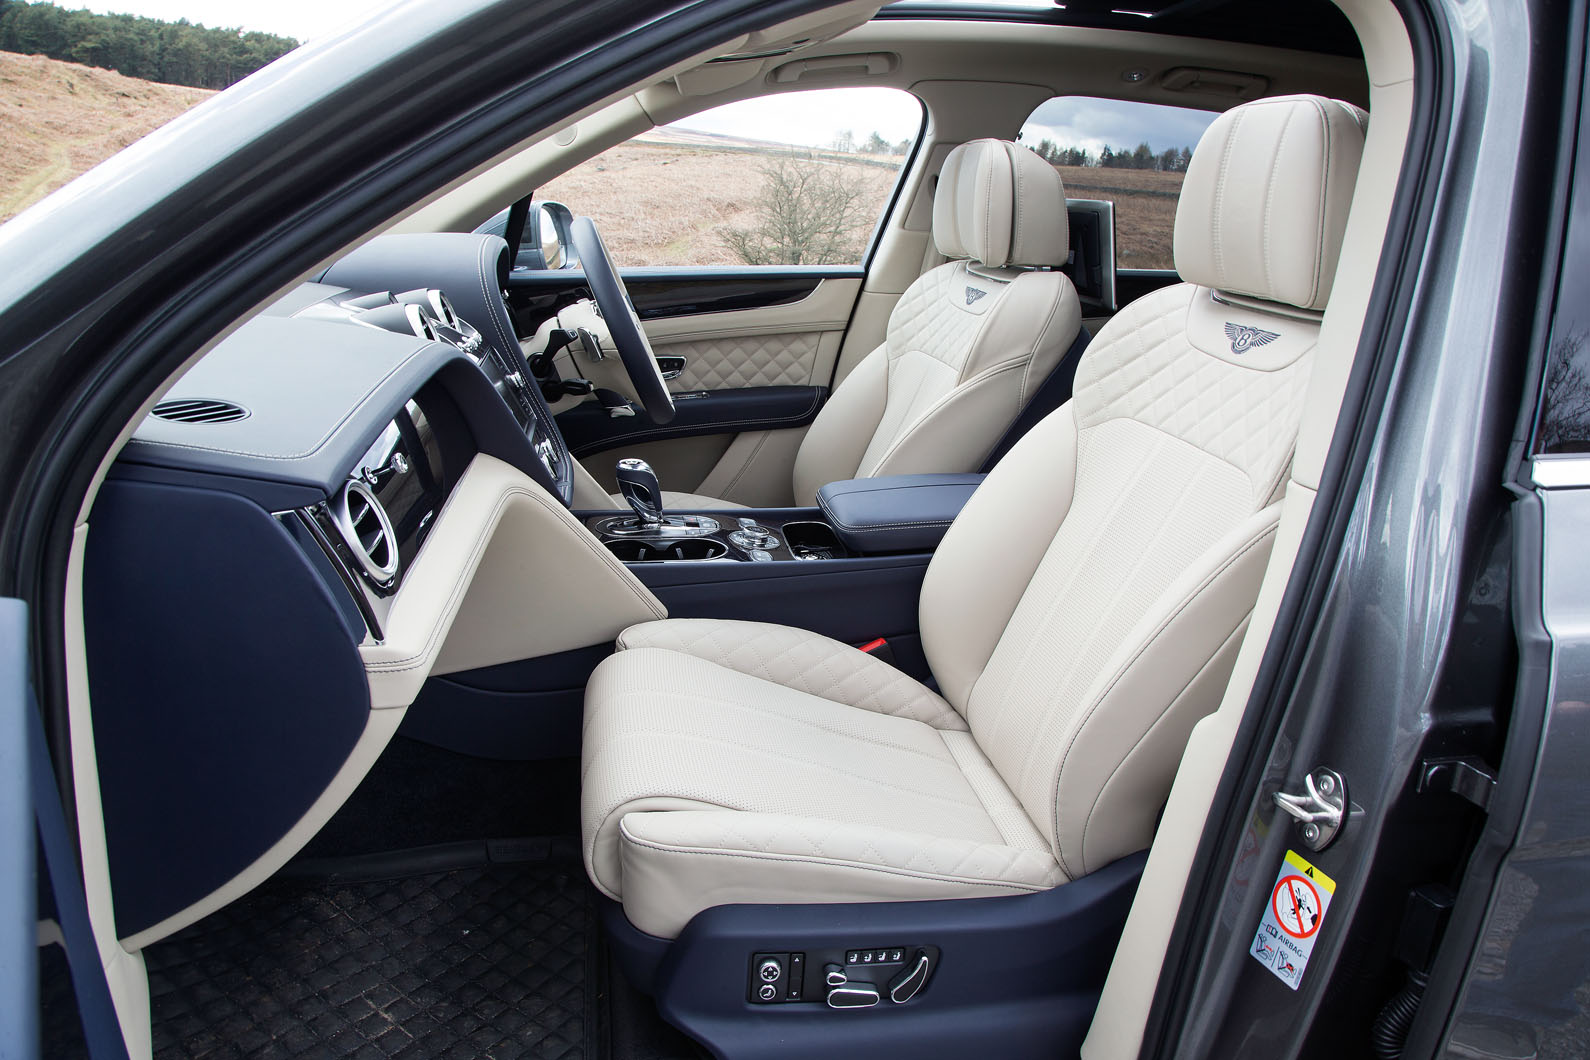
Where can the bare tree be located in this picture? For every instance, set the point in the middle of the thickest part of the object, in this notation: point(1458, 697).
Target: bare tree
point(807, 213)
point(1565, 423)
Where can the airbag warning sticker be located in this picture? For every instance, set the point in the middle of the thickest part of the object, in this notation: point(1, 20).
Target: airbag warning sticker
point(1292, 919)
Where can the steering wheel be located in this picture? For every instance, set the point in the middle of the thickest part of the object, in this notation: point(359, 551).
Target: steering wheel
point(618, 313)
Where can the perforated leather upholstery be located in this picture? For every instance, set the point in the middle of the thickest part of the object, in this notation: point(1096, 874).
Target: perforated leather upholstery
point(968, 342)
point(1083, 612)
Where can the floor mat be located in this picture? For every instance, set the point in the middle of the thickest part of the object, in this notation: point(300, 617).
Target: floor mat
point(488, 961)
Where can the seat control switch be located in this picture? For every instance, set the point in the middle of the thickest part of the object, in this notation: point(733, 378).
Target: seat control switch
point(853, 995)
point(907, 984)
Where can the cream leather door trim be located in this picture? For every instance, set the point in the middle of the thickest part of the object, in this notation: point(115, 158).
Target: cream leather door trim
point(783, 345)
point(125, 974)
point(512, 574)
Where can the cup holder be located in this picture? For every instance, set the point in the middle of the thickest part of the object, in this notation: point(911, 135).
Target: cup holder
point(633, 551)
point(812, 540)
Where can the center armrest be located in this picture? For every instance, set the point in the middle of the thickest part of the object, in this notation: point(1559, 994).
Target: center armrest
point(896, 513)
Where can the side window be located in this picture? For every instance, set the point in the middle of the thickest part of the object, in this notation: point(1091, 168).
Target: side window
point(1134, 155)
point(800, 178)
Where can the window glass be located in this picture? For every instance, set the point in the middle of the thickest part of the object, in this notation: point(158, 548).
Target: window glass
point(1564, 423)
point(794, 179)
point(1132, 154)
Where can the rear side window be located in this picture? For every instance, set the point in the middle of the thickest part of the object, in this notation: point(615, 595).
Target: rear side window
point(799, 178)
point(1134, 155)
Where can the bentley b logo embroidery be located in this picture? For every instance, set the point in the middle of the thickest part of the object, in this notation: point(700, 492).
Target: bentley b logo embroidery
point(1244, 338)
point(973, 294)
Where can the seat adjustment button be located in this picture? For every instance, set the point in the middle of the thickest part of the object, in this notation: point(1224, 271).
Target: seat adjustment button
point(769, 970)
point(767, 992)
point(853, 995)
point(906, 985)
point(835, 975)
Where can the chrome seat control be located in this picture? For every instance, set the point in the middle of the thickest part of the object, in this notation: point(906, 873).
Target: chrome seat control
point(906, 985)
point(853, 995)
point(769, 970)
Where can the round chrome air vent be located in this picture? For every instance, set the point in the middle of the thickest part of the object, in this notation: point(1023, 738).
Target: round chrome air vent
point(367, 531)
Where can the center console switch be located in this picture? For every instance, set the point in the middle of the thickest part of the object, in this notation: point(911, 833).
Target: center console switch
point(895, 513)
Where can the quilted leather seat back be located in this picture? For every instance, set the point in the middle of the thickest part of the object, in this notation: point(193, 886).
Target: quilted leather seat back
point(1149, 503)
point(969, 341)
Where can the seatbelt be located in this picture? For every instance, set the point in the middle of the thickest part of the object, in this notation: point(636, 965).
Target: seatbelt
point(1050, 395)
point(101, 1028)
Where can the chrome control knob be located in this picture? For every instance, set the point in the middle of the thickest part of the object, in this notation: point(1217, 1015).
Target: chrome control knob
point(637, 484)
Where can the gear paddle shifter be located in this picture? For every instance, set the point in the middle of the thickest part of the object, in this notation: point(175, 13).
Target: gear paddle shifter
point(637, 483)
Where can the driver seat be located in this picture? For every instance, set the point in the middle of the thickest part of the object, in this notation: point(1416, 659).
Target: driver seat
point(968, 343)
point(1082, 613)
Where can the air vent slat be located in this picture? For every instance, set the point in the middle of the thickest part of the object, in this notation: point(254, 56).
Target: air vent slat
point(367, 531)
point(200, 410)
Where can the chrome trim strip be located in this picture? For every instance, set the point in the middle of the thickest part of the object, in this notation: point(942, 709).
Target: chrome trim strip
point(1561, 470)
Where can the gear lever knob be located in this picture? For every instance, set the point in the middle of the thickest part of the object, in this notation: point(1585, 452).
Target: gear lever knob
point(637, 483)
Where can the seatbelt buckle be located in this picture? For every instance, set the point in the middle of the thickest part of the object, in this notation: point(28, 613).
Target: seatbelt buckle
point(879, 649)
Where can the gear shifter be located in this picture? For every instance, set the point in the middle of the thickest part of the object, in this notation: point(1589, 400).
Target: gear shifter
point(637, 483)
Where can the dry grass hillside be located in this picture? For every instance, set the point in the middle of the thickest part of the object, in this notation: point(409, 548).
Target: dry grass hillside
point(59, 119)
point(669, 198)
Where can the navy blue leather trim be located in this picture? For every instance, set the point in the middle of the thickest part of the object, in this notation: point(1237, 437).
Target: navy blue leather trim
point(850, 600)
point(1017, 976)
point(228, 690)
point(671, 292)
point(895, 513)
point(523, 711)
point(318, 392)
point(589, 429)
point(61, 896)
point(468, 269)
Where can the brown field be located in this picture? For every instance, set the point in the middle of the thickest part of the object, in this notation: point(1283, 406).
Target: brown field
point(1145, 210)
point(60, 119)
point(669, 203)
point(664, 199)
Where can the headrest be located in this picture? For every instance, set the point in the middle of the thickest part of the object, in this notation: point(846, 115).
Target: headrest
point(1265, 200)
point(1000, 204)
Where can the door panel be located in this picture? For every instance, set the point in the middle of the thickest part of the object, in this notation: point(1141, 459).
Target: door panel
point(793, 344)
point(750, 339)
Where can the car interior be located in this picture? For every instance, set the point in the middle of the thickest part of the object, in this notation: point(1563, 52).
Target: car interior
point(493, 645)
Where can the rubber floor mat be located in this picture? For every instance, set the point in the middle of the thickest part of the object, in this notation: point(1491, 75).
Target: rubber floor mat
point(479, 962)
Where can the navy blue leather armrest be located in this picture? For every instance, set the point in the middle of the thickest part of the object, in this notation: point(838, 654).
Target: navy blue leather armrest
point(897, 513)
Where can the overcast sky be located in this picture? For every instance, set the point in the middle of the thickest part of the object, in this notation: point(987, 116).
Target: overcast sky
point(1076, 121)
point(303, 19)
point(814, 119)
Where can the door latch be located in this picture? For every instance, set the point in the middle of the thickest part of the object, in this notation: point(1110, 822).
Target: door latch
point(1320, 812)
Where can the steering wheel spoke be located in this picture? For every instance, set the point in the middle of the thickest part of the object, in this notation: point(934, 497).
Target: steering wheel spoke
point(623, 325)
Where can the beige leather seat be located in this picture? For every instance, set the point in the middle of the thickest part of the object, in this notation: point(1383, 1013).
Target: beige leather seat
point(968, 342)
point(1082, 613)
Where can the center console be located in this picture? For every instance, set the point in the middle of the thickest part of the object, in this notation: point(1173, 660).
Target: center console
point(902, 514)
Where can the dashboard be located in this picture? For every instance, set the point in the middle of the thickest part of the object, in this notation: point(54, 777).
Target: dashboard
point(290, 543)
